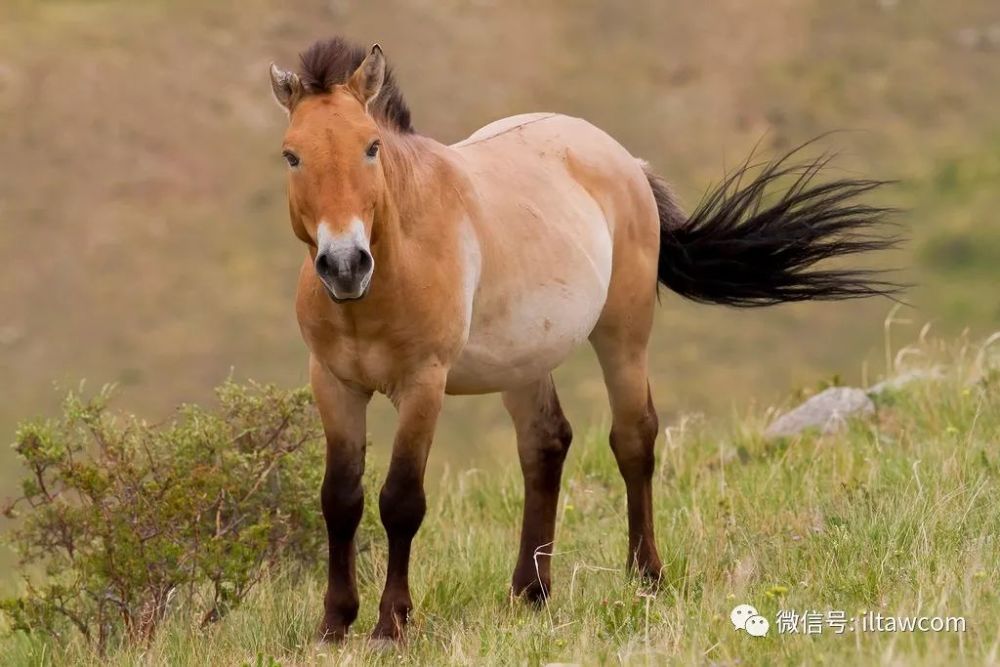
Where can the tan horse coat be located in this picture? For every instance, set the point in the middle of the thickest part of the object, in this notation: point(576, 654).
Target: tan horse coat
point(510, 265)
point(479, 267)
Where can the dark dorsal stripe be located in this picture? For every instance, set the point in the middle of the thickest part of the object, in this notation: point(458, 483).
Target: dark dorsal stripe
point(330, 62)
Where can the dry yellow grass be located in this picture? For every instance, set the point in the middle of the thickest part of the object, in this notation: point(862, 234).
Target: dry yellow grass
point(896, 516)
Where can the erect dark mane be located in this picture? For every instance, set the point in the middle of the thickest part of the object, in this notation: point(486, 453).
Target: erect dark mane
point(330, 62)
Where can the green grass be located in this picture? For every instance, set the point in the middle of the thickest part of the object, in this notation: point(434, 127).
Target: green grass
point(191, 181)
point(897, 515)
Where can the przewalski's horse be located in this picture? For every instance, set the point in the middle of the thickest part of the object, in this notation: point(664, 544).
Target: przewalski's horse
point(478, 267)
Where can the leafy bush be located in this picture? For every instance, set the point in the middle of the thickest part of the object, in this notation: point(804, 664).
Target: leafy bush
point(122, 521)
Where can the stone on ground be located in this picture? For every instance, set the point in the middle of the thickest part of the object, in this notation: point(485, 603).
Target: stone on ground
point(828, 411)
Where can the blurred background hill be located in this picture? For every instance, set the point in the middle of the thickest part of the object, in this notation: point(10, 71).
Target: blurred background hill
point(144, 237)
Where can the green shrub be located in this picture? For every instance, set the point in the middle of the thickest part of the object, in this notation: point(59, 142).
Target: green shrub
point(121, 521)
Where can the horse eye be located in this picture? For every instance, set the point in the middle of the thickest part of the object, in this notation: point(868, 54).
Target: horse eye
point(291, 158)
point(372, 150)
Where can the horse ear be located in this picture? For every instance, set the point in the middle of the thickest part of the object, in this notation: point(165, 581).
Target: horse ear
point(286, 87)
point(368, 78)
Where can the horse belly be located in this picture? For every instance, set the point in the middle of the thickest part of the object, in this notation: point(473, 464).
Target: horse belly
point(521, 337)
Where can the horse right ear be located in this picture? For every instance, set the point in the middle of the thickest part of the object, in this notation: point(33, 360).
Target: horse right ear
point(286, 87)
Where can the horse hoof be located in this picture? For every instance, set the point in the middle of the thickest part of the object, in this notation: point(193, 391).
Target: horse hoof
point(387, 633)
point(331, 633)
point(651, 574)
point(534, 593)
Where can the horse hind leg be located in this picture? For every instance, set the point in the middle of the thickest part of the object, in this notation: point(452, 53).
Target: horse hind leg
point(543, 439)
point(620, 344)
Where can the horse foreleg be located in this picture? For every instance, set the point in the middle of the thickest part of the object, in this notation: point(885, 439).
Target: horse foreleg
point(543, 438)
point(342, 411)
point(402, 503)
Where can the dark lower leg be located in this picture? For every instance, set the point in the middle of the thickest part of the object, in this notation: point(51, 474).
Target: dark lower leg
point(542, 444)
point(342, 411)
point(343, 503)
point(402, 506)
point(633, 444)
point(543, 438)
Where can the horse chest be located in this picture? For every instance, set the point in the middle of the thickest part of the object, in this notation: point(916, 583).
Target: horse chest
point(381, 356)
point(367, 363)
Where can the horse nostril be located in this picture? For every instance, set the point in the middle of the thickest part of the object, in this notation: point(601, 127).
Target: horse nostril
point(364, 262)
point(324, 266)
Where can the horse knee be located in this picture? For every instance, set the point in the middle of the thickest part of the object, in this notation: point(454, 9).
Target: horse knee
point(548, 430)
point(633, 443)
point(649, 426)
point(402, 504)
point(544, 449)
point(554, 438)
point(563, 433)
point(343, 501)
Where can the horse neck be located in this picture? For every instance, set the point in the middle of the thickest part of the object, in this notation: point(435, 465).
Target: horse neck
point(414, 169)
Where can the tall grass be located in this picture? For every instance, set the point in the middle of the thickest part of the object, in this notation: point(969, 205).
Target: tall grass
point(897, 515)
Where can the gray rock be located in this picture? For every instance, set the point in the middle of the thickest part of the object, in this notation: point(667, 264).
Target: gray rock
point(968, 38)
point(903, 379)
point(10, 334)
point(993, 34)
point(828, 411)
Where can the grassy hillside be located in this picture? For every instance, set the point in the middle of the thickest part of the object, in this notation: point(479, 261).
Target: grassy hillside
point(897, 516)
point(143, 226)
point(143, 231)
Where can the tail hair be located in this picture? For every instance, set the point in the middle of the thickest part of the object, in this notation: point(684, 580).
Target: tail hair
point(741, 248)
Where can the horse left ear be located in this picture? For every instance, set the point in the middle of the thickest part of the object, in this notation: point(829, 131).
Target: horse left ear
point(368, 78)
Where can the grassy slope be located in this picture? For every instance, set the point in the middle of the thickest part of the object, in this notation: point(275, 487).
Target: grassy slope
point(897, 515)
point(143, 237)
point(143, 229)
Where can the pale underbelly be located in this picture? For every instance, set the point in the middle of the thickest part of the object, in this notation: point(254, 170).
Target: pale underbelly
point(545, 246)
point(527, 336)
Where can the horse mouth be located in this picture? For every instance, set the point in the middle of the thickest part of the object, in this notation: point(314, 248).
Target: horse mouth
point(348, 299)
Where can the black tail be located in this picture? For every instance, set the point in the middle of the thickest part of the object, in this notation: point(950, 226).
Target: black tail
point(738, 250)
